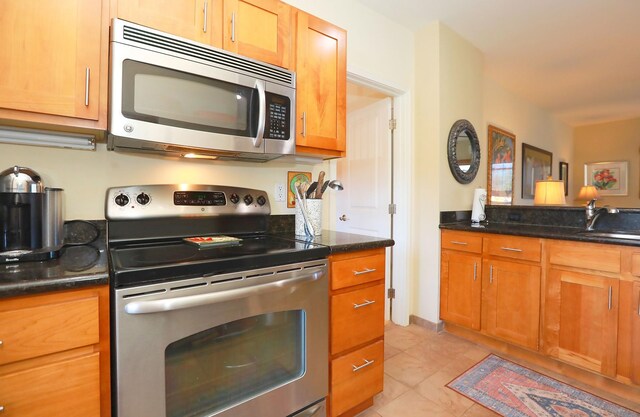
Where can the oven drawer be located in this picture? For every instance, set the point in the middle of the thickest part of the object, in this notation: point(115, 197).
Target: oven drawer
point(70, 388)
point(348, 270)
point(40, 330)
point(357, 317)
point(356, 377)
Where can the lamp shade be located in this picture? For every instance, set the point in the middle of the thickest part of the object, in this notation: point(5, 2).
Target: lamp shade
point(549, 193)
point(588, 192)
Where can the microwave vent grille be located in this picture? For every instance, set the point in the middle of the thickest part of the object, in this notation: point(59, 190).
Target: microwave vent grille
point(211, 55)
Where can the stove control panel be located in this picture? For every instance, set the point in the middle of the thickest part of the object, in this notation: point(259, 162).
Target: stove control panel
point(183, 200)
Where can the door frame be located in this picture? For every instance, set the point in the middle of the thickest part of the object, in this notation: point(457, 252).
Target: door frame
point(402, 186)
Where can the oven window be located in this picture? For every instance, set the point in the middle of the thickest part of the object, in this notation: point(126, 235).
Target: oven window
point(169, 97)
point(226, 365)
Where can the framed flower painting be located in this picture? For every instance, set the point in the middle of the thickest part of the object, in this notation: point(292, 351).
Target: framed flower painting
point(502, 154)
point(609, 178)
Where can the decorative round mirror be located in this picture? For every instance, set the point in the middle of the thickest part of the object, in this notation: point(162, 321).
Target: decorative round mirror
point(463, 151)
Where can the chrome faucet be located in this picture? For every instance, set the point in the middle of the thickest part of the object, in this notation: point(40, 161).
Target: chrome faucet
point(592, 213)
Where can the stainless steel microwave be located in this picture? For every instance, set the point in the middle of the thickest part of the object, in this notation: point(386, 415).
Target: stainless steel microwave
point(173, 95)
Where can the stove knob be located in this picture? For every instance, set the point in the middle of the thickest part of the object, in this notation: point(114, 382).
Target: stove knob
point(122, 200)
point(248, 199)
point(234, 198)
point(261, 200)
point(143, 199)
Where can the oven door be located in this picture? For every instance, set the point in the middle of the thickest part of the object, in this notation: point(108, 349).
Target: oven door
point(243, 344)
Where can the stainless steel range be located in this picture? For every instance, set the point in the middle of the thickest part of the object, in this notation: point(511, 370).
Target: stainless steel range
point(233, 322)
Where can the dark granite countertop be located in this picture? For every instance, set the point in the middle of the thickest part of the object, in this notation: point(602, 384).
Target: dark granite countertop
point(78, 266)
point(531, 230)
point(340, 242)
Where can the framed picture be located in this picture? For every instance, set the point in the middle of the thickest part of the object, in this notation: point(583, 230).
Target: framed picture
point(502, 156)
point(536, 166)
point(564, 176)
point(292, 178)
point(609, 178)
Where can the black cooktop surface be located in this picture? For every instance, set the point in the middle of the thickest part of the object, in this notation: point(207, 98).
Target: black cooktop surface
point(150, 262)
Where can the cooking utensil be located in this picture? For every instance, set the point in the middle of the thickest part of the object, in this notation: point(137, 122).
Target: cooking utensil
point(311, 190)
point(322, 189)
point(336, 185)
point(320, 181)
point(308, 228)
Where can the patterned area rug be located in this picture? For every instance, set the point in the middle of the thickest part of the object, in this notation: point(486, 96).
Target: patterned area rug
point(513, 391)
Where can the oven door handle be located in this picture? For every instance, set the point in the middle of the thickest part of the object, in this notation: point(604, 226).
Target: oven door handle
point(169, 304)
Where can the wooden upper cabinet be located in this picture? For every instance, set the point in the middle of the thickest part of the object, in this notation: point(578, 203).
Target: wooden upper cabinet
point(199, 20)
point(259, 29)
point(50, 61)
point(321, 67)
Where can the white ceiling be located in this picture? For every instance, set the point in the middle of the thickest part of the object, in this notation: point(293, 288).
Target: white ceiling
point(579, 59)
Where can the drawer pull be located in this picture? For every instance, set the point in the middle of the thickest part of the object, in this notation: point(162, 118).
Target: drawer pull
point(455, 242)
point(491, 274)
point(366, 303)
point(366, 271)
point(366, 363)
point(512, 249)
point(1, 408)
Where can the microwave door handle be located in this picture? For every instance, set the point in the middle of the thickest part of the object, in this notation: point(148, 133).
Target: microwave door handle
point(262, 103)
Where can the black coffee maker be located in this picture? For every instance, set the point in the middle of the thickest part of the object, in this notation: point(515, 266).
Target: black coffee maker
point(31, 219)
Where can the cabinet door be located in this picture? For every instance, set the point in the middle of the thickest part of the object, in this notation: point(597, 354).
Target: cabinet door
point(322, 87)
point(460, 289)
point(259, 29)
point(635, 334)
point(511, 302)
point(50, 57)
point(199, 20)
point(581, 314)
point(69, 388)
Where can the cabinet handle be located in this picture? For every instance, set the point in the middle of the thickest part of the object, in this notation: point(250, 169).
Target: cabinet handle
point(204, 26)
point(366, 363)
point(610, 296)
point(304, 124)
point(365, 271)
point(233, 27)
point(475, 271)
point(638, 305)
point(366, 303)
point(512, 249)
point(491, 274)
point(87, 77)
point(455, 242)
point(1, 408)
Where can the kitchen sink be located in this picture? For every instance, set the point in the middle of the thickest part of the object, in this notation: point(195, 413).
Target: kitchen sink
point(635, 235)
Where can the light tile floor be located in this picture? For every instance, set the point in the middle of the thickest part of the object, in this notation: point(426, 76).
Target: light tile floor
point(418, 365)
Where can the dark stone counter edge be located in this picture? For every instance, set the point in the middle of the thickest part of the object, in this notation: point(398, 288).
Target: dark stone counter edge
point(547, 232)
point(354, 247)
point(53, 285)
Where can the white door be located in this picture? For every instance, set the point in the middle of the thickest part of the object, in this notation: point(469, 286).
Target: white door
point(363, 206)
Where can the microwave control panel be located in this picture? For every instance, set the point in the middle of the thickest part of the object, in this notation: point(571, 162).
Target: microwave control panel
point(278, 121)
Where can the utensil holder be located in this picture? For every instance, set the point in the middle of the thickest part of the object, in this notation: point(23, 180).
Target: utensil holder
point(314, 213)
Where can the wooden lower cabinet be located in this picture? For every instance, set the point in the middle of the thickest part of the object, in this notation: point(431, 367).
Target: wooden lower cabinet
point(356, 330)
point(511, 302)
point(461, 288)
point(635, 333)
point(54, 357)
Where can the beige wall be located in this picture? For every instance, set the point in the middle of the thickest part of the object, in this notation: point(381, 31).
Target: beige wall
point(614, 141)
point(531, 125)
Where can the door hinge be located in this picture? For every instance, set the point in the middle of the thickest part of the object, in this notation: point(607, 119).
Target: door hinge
point(393, 124)
point(392, 209)
point(391, 293)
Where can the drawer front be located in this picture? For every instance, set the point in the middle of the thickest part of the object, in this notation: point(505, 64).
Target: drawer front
point(354, 271)
point(356, 317)
point(522, 248)
point(70, 388)
point(356, 377)
point(635, 264)
point(41, 330)
point(603, 258)
point(462, 241)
